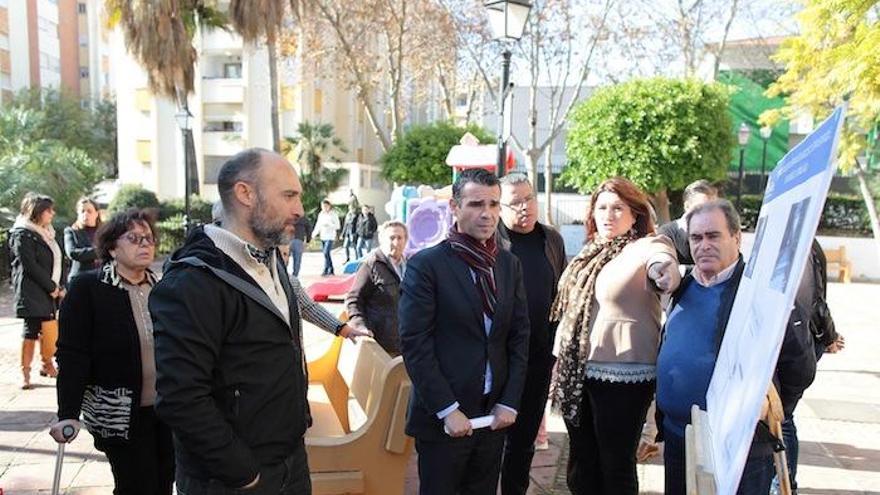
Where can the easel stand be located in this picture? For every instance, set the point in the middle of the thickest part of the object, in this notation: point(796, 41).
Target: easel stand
point(699, 465)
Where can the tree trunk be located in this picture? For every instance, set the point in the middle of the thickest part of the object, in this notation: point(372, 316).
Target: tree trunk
point(869, 204)
point(532, 156)
point(661, 200)
point(548, 185)
point(273, 94)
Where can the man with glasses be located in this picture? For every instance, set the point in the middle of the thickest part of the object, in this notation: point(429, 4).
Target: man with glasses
point(541, 251)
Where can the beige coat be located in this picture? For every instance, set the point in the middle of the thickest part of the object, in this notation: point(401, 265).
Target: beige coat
point(625, 313)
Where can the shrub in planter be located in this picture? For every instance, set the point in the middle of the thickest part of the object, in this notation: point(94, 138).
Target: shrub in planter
point(200, 209)
point(133, 196)
point(171, 234)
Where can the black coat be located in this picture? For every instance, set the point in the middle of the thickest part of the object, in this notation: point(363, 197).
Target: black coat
point(366, 226)
point(81, 251)
point(230, 371)
point(373, 298)
point(32, 283)
point(99, 357)
point(444, 342)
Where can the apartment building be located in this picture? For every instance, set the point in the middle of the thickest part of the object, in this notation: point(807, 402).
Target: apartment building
point(29, 45)
point(85, 49)
point(230, 111)
point(54, 44)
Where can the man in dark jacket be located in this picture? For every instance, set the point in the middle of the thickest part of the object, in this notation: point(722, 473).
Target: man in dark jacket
point(366, 230)
point(231, 372)
point(375, 293)
point(464, 335)
point(541, 251)
point(693, 333)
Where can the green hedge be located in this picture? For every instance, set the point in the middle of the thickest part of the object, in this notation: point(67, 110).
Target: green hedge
point(842, 216)
point(171, 234)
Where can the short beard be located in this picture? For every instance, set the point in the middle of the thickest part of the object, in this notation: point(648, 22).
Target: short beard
point(270, 234)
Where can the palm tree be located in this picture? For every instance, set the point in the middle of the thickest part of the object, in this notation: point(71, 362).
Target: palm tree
point(311, 144)
point(256, 20)
point(159, 34)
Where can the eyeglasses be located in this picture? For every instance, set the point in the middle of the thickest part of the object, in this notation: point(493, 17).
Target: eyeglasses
point(521, 204)
point(138, 239)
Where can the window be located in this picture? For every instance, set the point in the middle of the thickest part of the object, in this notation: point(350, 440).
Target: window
point(84, 72)
point(377, 181)
point(318, 101)
point(232, 71)
point(83, 40)
point(462, 100)
point(81, 8)
point(224, 126)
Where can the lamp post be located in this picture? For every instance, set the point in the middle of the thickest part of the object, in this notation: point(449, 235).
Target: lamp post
point(184, 121)
point(742, 137)
point(765, 132)
point(508, 21)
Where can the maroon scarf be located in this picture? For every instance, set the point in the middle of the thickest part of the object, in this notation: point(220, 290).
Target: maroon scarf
point(481, 259)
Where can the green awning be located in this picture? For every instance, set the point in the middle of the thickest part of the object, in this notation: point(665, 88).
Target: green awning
point(746, 105)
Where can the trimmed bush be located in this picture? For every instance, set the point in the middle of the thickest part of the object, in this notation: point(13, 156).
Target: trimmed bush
point(842, 215)
point(133, 196)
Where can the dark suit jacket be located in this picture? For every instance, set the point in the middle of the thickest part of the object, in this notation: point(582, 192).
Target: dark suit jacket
point(444, 342)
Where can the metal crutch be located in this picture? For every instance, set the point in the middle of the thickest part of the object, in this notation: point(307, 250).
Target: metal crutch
point(66, 432)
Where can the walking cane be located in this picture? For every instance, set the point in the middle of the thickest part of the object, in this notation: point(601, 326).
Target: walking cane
point(66, 432)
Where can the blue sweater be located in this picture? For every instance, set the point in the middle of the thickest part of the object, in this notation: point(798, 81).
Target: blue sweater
point(687, 355)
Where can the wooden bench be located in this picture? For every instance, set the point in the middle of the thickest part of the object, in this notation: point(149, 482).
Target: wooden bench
point(838, 257)
point(358, 396)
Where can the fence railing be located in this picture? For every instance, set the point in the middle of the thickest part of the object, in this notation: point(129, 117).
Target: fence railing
point(565, 210)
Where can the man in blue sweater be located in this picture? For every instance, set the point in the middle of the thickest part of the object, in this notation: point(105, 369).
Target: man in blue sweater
point(694, 330)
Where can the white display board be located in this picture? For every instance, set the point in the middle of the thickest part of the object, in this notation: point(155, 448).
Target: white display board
point(787, 222)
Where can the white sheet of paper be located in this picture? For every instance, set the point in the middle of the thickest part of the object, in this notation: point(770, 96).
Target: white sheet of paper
point(477, 423)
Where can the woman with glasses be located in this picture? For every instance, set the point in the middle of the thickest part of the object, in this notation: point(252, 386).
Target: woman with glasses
point(608, 308)
point(105, 352)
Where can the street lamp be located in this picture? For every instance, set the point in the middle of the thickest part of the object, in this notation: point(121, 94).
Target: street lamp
point(742, 137)
point(184, 121)
point(508, 21)
point(765, 132)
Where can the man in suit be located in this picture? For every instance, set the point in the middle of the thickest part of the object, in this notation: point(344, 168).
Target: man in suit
point(464, 335)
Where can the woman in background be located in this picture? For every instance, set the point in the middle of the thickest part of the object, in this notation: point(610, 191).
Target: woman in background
point(79, 238)
point(36, 281)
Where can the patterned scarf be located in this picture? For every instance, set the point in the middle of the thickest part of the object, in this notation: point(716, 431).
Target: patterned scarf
point(572, 307)
point(481, 259)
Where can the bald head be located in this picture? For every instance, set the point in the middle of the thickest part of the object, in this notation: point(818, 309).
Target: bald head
point(261, 190)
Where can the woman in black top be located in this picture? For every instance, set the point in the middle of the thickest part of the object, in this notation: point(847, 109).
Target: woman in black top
point(36, 280)
point(107, 363)
point(79, 238)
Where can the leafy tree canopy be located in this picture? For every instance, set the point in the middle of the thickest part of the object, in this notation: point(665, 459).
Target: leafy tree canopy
point(30, 161)
point(419, 157)
point(660, 133)
point(836, 55)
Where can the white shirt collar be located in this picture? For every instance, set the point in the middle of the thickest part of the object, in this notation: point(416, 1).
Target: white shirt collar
point(720, 277)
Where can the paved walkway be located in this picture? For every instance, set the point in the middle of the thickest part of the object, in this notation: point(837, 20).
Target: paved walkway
point(838, 420)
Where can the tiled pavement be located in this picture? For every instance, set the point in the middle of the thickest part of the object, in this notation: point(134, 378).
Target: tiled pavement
point(838, 420)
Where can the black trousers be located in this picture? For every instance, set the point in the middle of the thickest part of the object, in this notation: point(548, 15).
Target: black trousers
point(288, 477)
point(466, 466)
point(145, 464)
point(602, 447)
point(520, 446)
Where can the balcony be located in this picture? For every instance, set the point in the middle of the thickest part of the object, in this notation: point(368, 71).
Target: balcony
point(220, 41)
point(222, 91)
point(222, 143)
